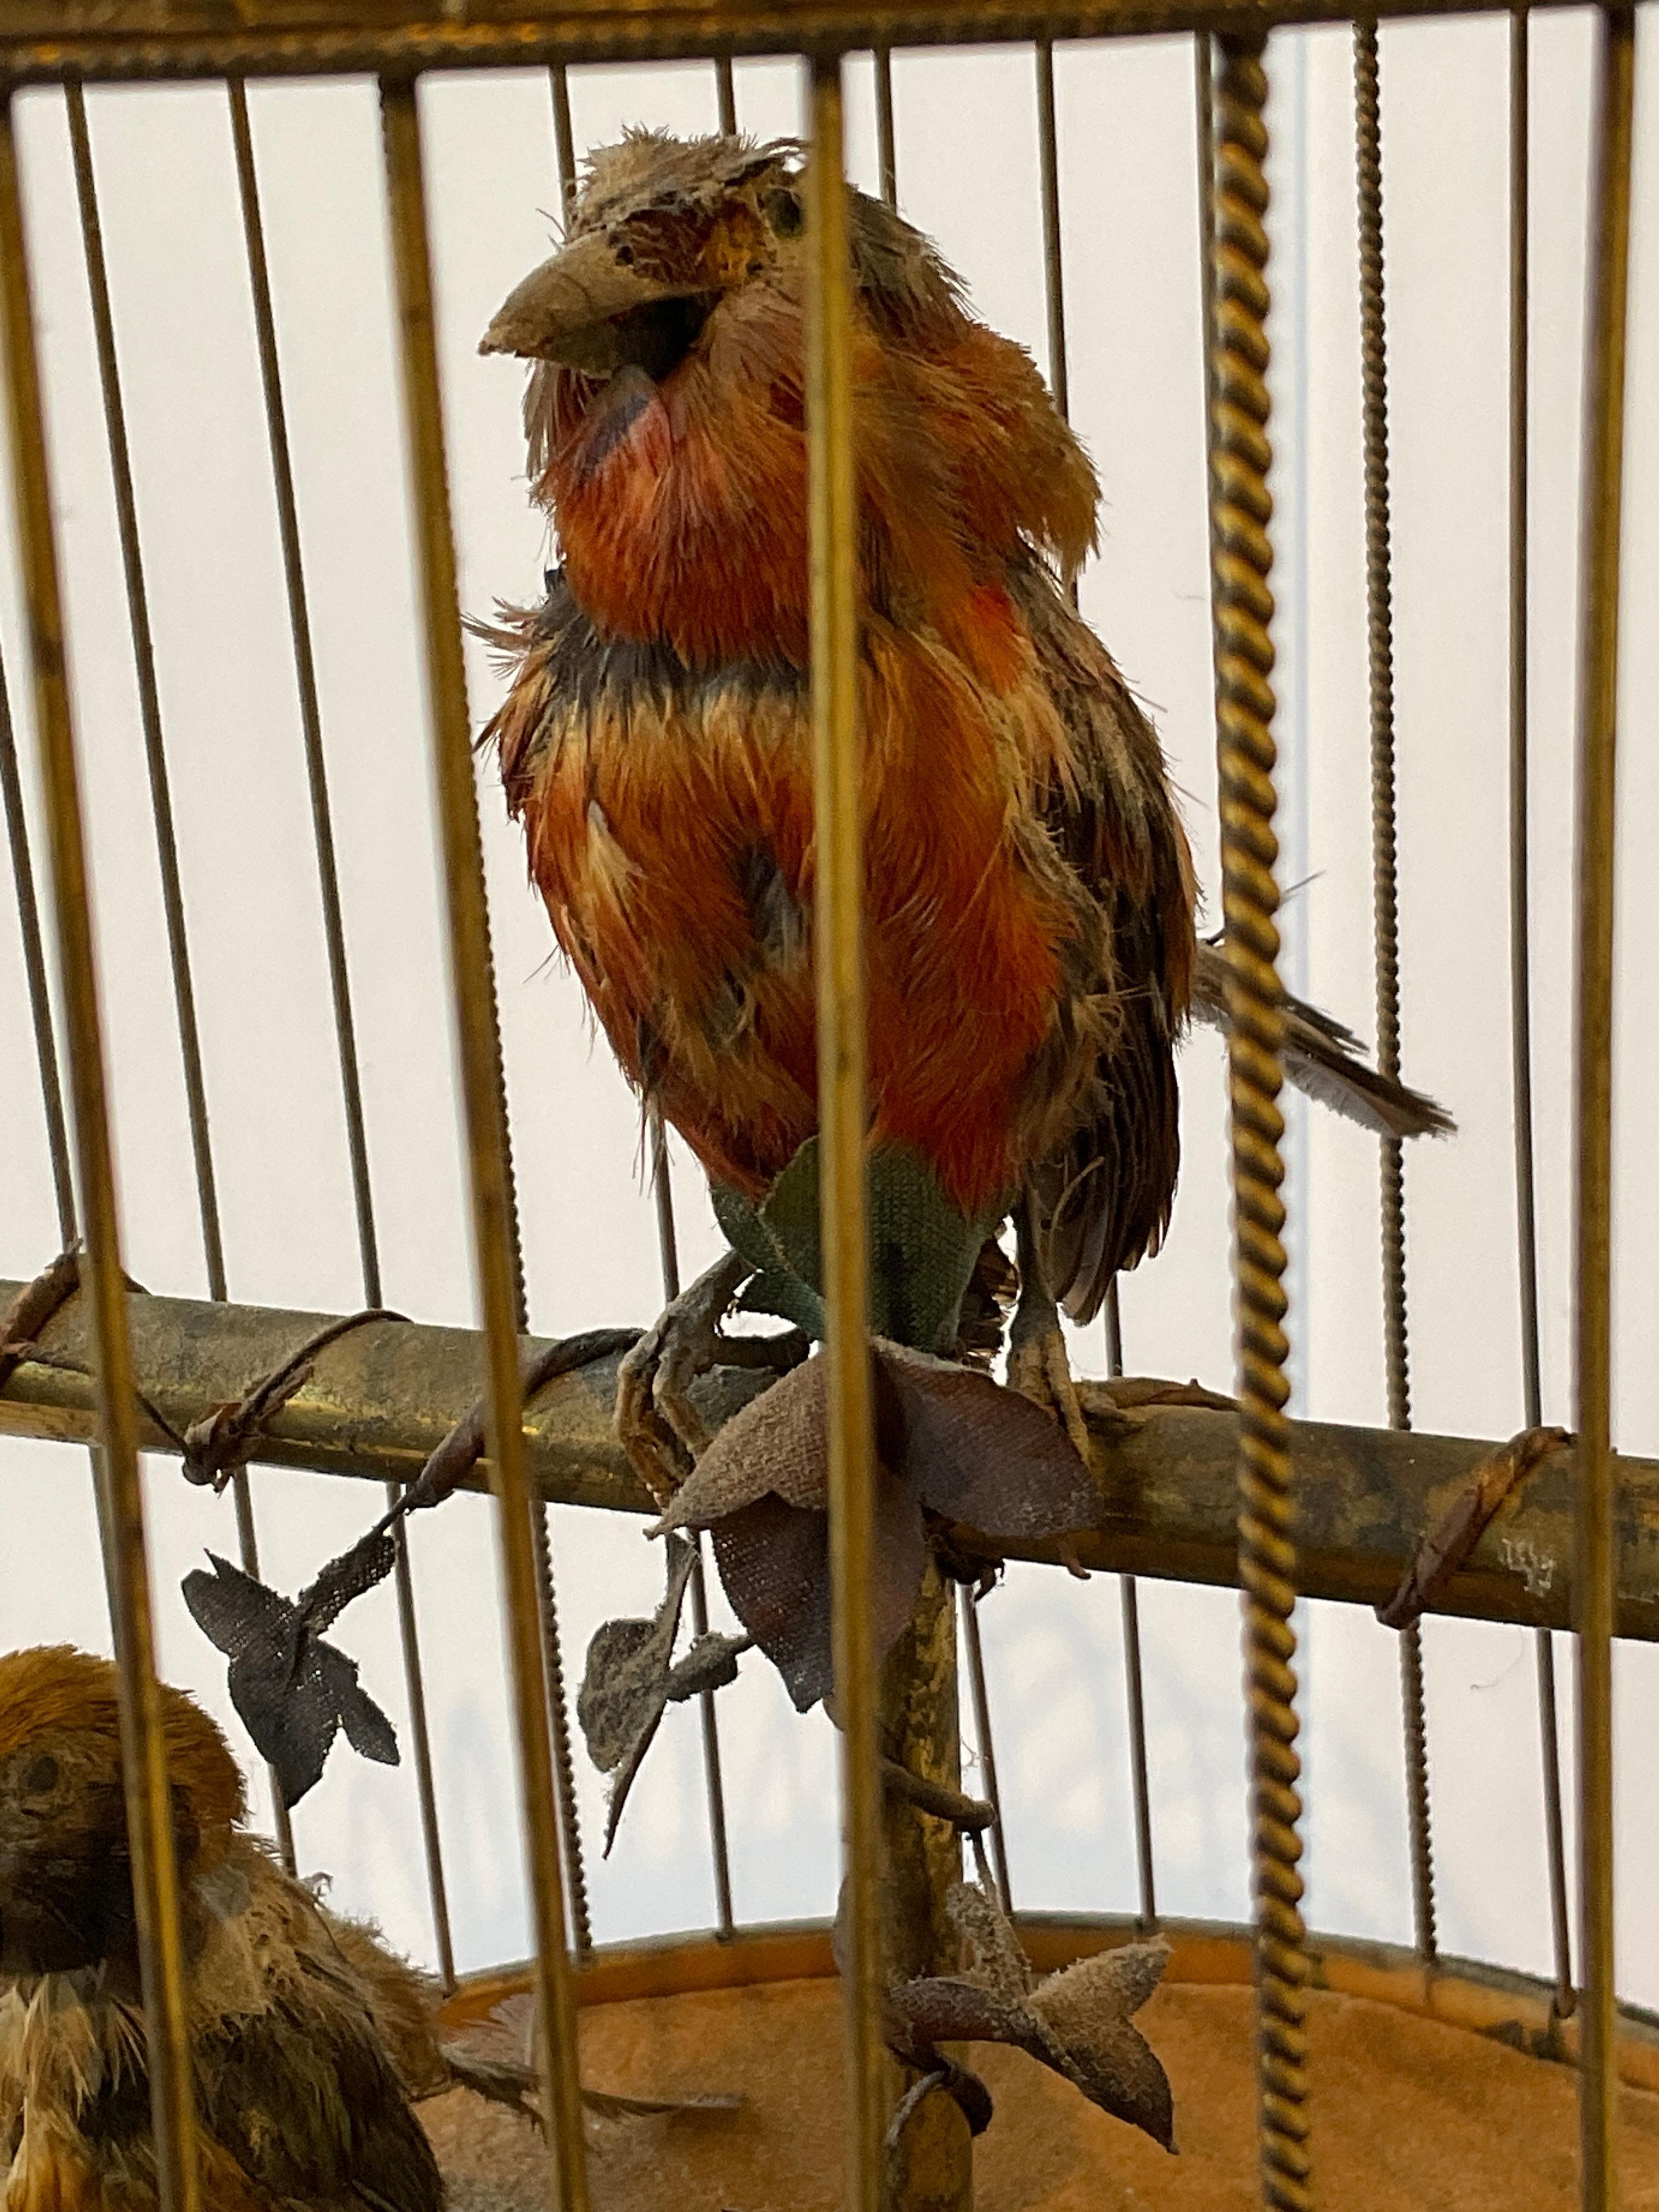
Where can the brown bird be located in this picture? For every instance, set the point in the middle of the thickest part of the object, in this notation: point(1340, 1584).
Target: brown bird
point(1028, 890)
point(307, 2036)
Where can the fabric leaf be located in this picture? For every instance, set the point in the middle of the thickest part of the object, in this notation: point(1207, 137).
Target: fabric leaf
point(780, 1442)
point(626, 1685)
point(774, 1561)
point(1075, 2022)
point(293, 1692)
point(980, 1453)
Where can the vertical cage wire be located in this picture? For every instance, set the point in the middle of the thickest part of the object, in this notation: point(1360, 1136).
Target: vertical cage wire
point(564, 141)
point(1379, 635)
point(725, 97)
point(339, 975)
point(1526, 1207)
point(1602, 488)
point(149, 1802)
point(1242, 507)
point(161, 794)
point(973, 1642)
point(1053, 288)
point(842, 1052)
point(714, 1780)
point(35, 971)
point(668, 1249)
point(887, 142)
point(485, 1107)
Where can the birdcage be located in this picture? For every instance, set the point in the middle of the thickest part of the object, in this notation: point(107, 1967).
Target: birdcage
point(1547, 1533)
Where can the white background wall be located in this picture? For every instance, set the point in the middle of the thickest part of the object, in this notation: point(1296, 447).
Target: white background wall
point(967, 164)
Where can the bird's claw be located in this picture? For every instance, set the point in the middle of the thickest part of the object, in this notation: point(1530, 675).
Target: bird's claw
point(1040, 1371)
point(660, 1429)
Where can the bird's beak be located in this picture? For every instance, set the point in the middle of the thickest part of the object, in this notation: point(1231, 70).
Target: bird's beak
point(586, 309)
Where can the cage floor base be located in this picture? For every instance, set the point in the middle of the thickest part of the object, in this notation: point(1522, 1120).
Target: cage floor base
point(1411, 2115)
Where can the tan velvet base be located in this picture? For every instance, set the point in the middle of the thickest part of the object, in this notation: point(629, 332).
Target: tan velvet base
point(1410, 2116)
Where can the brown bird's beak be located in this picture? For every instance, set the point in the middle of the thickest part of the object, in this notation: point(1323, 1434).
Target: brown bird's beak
point(594, 312)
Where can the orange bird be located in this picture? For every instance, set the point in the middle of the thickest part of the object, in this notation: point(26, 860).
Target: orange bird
point(307, 2038)
point(1028, 890)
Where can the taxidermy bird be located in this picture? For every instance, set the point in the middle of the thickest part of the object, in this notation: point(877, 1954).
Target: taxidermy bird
point(1031, 957)
point(307, 2036)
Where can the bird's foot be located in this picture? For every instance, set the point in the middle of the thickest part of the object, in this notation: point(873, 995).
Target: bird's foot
point(1123, 1401)
point(1040, 1371)
point(660, 1428)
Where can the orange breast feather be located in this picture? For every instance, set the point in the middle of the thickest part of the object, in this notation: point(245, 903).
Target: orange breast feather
point(670, 829)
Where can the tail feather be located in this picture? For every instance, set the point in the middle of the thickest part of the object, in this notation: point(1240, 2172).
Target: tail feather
point(1322, 1058)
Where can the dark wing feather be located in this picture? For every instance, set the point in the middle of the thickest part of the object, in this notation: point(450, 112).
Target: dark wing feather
point(1104, 1179)
point(1322, 1058)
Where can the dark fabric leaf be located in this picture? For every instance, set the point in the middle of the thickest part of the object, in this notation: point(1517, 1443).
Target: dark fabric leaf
point(773, 1562)
point(351, 1576)
point(979, 1454)
point(293, 1692)
point(367, 1730)
point(230, 1607)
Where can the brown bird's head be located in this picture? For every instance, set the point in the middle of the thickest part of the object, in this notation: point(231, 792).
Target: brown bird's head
point(665, 413)
point(65, 1866)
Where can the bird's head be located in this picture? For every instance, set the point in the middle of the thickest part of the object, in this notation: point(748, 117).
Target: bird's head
point(665, 413)
point(664, 231)
point(65, 1866)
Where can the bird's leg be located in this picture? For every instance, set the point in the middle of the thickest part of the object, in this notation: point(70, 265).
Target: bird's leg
point(660, 1426)
point(1038, 1365)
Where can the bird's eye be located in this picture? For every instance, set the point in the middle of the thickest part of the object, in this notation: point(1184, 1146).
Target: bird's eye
point(42, 1777)
point(784, 211)
point(625, 256)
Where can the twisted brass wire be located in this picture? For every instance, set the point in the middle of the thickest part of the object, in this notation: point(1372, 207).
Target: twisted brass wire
point(1243, 553)
point(1379, 636)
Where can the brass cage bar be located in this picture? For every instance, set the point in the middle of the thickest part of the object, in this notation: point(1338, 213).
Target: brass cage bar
point(34, 969)
point(1526, 1207)
point(842, 1050)
point(120, 1493)
point(339, 975)
point(1602, 491)
point(1059, 383)
point(485, 1108)
point(167, 843)
point(1242, 555)
point(96, 42)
